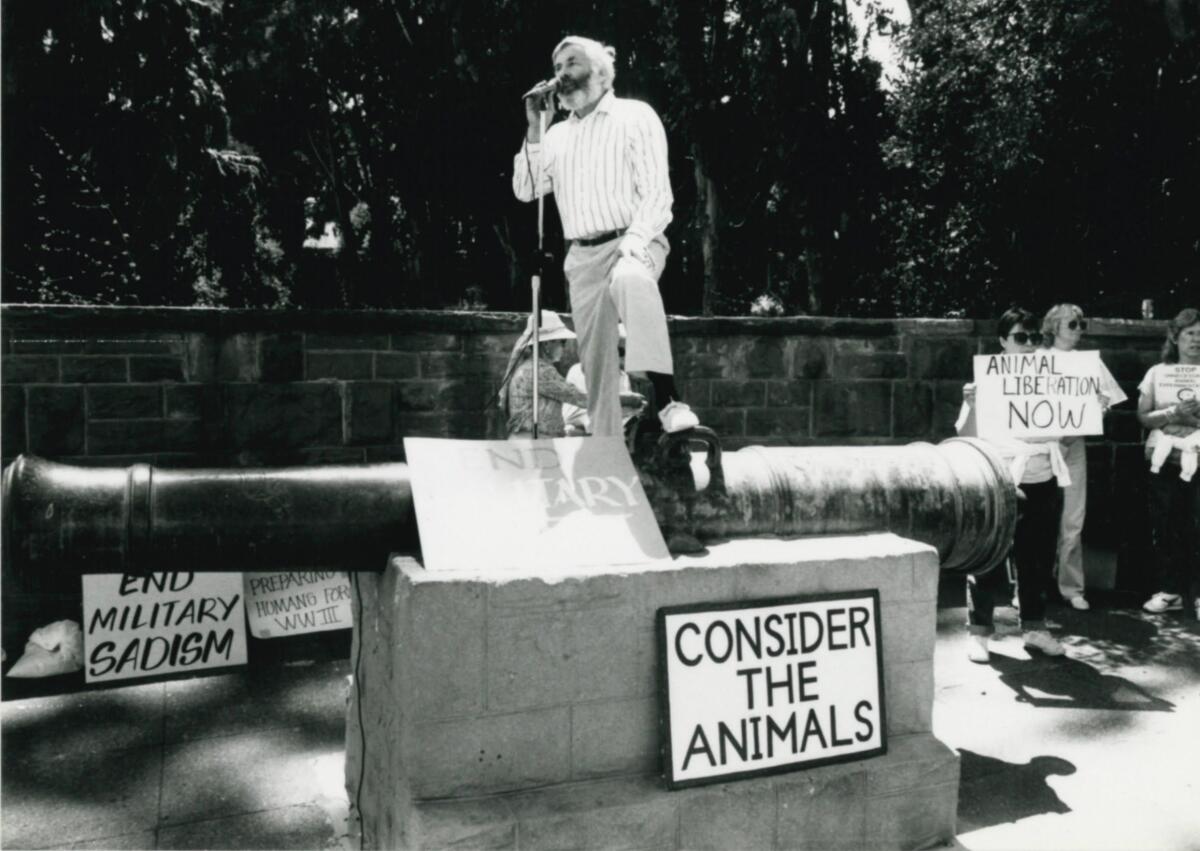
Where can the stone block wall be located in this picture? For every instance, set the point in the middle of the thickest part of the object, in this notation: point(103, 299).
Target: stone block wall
point(192, 387)
point(524, 707)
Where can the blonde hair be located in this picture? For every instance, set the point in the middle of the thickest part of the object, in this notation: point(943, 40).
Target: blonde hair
point(1055, 315)
point(602, 56)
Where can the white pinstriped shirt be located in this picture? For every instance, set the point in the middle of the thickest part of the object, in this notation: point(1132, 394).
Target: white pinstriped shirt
point(607, 171)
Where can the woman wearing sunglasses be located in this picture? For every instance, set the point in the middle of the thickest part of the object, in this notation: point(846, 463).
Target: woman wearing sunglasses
point(1171, 411)
point(1062, 329)
point(1037, 468)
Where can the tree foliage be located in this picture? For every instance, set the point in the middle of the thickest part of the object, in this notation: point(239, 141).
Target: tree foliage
point(1048, 151)
point(191, 151)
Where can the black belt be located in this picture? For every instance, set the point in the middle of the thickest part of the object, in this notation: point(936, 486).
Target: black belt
point(598, 240)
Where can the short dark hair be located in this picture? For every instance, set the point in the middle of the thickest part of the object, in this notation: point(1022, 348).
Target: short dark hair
point(1013, 317)
point(1187, 317)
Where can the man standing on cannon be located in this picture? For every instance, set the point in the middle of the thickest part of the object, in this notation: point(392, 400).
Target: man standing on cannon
point(607, 167)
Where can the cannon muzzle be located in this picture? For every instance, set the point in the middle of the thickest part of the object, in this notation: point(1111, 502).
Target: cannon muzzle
point(63, 519)
point(956, 496)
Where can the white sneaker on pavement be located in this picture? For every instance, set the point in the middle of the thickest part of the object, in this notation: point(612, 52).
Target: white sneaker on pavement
point(1080, 603)
point(677, 417)
point(1163, 602)
point(977, 649)
point(1043, 641)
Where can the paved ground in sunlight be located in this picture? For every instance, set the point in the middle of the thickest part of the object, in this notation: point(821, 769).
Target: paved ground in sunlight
point(1097, 750)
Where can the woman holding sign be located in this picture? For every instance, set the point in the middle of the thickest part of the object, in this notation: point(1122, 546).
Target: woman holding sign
point(1062, 329)
point(1169, 405)
point(1036, 466)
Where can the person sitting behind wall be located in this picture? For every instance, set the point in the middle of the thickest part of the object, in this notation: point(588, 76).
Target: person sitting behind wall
point(516, 389)
point(576, 417)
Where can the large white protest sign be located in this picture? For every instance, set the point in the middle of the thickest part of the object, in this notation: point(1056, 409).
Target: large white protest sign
point(161, 623)
point(1175, 383)
point(1040, 394)
point(505, 504)
point(281, 604)
point(770, 686)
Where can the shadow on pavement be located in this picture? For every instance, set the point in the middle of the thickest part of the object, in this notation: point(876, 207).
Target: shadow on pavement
point(1064, 683)
point(994, 791)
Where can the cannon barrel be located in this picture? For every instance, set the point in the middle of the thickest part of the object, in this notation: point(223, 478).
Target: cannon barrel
point(956, 496)
point(58, 518)
point(70, 519)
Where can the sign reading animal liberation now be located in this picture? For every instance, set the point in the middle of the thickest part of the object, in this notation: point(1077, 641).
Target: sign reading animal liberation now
point(281, 604)
point(770, 686)
point(506, 504)
point(1040, 394)
point(1176, 382)
point(160, 623)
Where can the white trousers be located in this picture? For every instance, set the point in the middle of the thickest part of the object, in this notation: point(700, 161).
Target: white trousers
point(1069, 562)
point(605, 289)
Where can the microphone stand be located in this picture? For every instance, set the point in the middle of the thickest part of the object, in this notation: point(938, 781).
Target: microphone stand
point(538, 269)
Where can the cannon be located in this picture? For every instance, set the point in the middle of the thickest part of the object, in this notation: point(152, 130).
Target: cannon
point(956, 496)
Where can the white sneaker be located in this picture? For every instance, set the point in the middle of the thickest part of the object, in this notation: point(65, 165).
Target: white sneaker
point(977, 649)
point(677, 417)
point(1163, 602)
point(1043, 641)
point(1080, 603)
point(1198, 609)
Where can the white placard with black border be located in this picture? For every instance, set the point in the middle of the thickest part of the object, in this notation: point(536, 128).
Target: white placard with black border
point(1047, 393)
point(770, 686)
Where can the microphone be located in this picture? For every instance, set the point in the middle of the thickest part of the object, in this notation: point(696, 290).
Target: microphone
point(542, 89)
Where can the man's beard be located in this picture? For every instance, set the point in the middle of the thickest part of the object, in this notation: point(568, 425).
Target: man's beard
point(586, 91)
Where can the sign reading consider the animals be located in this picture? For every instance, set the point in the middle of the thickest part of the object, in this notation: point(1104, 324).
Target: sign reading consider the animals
point(770, 686)
point(556, 503)
point(281, 604)
point(161, 623)
point(1040, 394)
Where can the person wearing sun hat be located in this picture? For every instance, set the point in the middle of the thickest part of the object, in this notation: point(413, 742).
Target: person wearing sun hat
point(607, 166)
point(516, 388)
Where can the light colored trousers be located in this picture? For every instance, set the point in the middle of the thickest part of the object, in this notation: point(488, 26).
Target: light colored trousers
point(1069, 561)
point(606, 289)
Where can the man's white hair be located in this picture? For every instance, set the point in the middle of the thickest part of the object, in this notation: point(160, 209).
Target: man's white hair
point(602, 56)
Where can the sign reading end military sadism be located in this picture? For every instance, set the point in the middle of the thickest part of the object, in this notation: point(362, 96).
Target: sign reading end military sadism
point(1046, 393)
point(294, 603)
point(161, 623)
point(770, 686)
point(506, 504)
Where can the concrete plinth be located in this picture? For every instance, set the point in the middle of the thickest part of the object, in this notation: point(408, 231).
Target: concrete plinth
point(520, 710)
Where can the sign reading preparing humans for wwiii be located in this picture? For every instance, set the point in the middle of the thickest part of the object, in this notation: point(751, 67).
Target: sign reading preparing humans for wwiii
point(1040, 394)
point(1176, 382)
point(504, 504)
point(160, 623)
point(281, 604)
point(770, 686)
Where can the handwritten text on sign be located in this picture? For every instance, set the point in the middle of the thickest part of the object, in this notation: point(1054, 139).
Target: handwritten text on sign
point(771, 686)
point(1040, 394)
point(141, 626)
point(279, 604)
point(505, 504)
point(1175, 383)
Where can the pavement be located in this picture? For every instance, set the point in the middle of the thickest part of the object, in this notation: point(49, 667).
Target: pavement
point(1096, 750)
